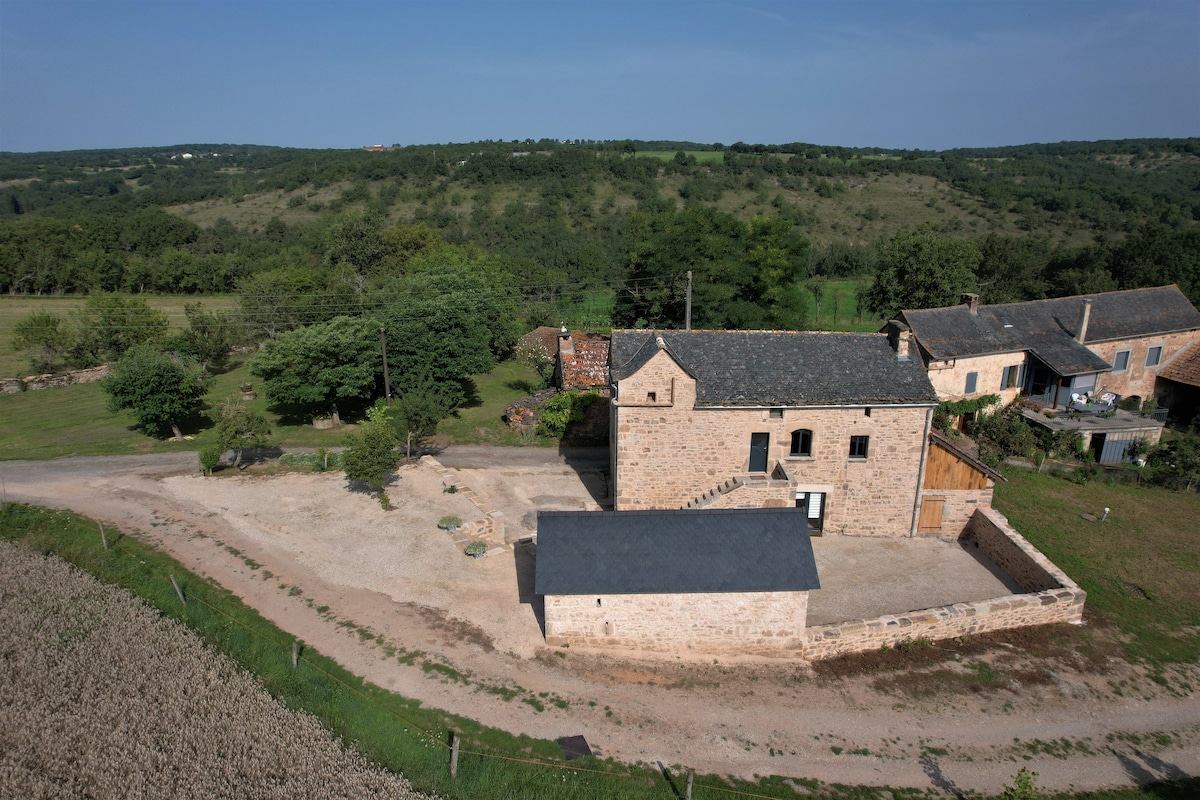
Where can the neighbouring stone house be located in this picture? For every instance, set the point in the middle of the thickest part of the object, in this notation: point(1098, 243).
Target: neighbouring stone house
point(1076, 356)
point(1115, 342)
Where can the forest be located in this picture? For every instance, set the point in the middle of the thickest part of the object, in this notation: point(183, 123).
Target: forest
point(598, 234)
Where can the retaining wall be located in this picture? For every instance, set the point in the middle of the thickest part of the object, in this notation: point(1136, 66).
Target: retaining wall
point(33, 382)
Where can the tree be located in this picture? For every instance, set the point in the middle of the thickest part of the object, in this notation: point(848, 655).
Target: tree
point(239, 427)
point(208, 336)
point(45, 338)
point(111, 324)
point(321, 365)
point(921, 268)
point(416, 414)
point(160, 389)
point(371, 455)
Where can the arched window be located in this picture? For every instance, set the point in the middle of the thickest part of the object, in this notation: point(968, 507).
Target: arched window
point(801, 443)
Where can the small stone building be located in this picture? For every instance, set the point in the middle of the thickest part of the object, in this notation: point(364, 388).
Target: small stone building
point(727, 581)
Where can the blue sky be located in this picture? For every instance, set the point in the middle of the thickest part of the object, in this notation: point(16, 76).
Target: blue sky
point(315, 73)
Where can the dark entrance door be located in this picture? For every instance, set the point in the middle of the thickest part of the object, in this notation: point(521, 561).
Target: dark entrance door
point(759, 442)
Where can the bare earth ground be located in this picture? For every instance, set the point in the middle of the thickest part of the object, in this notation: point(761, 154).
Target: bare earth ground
point(397, 575)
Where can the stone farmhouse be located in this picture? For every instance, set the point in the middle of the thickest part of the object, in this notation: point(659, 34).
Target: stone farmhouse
point(729, 449)
point(1081, 358)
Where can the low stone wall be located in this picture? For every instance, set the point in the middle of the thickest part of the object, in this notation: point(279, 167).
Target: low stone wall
point(490, 529)
point(50, 380)
point(1052, 597)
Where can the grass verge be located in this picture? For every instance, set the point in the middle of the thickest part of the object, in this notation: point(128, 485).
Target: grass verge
point(1140, 567)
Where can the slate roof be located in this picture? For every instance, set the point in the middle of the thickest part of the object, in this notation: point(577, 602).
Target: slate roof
point(1047, 328)
point(672, 552)
point(781, 368)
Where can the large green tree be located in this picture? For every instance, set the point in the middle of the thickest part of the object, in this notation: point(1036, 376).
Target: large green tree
point(160, 388)
point(111, 324)
point(321, 366)
point(239, 428)
point(921, 268)
point(371, 455)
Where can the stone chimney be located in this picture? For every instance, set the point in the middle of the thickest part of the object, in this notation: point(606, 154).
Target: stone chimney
point(565, 343)
point(898, 336)
point(971, 301)
point(1085, 313)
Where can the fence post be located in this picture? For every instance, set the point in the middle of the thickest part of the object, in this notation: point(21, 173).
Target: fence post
point(178, 591)
point(687, 795)
point(453, 754)
point(295, 653)
point(103, 538)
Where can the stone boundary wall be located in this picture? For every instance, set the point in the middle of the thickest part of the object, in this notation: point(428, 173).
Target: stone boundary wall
point(51, 380)
point(1058, 600)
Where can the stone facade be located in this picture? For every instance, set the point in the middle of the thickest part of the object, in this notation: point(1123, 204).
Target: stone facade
point(745, 623)
point(949, 378)
point(1138, 379)
point(667, 453)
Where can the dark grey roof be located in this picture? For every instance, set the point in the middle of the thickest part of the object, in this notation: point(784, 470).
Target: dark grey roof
point(1047, 328)
point(671, 552)
point(781, 368)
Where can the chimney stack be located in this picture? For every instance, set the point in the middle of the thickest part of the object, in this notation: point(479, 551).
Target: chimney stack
point(898, 336)
point(971, 301)
point(1085, 314)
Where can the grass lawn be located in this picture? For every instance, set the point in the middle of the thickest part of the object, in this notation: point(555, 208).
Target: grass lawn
point(479, 422)
point(1140, 567)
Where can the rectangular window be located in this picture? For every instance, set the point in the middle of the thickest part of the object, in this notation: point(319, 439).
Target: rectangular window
point(858, 446)
point(1153, 356)
point(972, 382)
point(1011, 377)
point(1121, 361)
point(776, 413)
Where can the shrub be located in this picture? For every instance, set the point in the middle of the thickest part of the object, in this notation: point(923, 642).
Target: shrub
point(210, 457)
point(563, 409)
point(449, 522)
point(476, 547)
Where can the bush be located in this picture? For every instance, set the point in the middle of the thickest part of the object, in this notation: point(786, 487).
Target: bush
point(449, 522)
point(562, 409)
point(476, 547)
point(210, 457)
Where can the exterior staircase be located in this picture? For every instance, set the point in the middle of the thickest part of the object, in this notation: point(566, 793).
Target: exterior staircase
point(712, 494)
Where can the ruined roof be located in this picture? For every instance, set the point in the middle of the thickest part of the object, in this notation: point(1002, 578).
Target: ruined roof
point(1047, 328)
point(1185, 368)
point(780, 368)
point(672, 552)
point(545, 336)
point(584, 364)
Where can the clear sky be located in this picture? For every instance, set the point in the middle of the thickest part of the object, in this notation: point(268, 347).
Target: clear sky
point(317, 73)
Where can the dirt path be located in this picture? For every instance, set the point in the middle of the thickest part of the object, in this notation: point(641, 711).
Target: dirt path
point(395, 574)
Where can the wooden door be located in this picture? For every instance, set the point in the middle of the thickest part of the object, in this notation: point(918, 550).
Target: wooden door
point(930, 520)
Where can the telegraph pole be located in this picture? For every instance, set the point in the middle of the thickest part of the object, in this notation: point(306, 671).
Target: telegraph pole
point(387, 387)
point(687, 314)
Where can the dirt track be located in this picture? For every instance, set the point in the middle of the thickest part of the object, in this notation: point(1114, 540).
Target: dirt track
point(397, 575)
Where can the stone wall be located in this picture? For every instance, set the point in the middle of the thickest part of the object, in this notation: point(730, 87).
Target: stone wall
point(949, 378)
point(1052, 597)
point(750, 623)
point(33, 382)
point(668, 453)
point(1139, 379)
point(958, 507)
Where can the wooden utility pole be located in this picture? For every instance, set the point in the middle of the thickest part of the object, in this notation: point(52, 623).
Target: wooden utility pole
point(687, 313)
point(453, 754)
point(387, 387)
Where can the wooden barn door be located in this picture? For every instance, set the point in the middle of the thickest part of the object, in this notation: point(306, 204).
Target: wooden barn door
point(930, 520)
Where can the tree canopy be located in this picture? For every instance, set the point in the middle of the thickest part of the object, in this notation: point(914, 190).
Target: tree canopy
point(161, 389)
point(921, 268)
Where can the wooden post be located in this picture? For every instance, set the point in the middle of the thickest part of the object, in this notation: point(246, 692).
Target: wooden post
point(453, 754)
point(103, 538)
point(295, 653)
point(178, 591)
point(687, 794)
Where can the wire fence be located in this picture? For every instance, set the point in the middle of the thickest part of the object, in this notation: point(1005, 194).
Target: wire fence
point(452, 744)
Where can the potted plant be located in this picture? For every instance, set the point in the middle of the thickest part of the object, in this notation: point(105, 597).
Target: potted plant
point(476, 548)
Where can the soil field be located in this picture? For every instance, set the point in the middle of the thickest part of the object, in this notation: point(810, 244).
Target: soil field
point(357, 583)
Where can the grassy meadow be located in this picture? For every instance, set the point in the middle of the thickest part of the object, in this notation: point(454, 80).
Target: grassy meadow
point(1140, 567)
